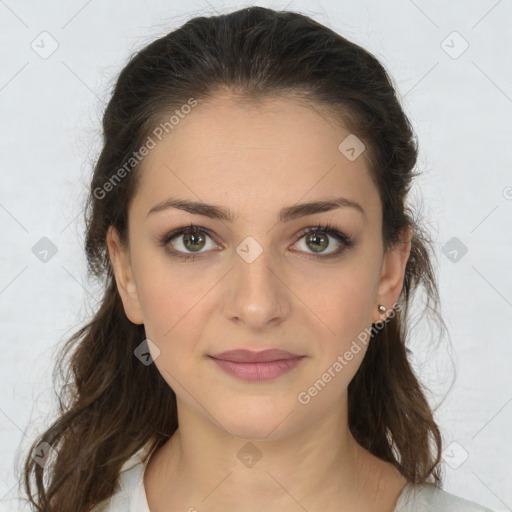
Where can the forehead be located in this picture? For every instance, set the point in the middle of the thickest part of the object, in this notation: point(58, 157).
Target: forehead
point(249, 155)
point(233, 125)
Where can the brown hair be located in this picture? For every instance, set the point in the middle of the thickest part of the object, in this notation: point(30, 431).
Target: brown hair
point(111, 404)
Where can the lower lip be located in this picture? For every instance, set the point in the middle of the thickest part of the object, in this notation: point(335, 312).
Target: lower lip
point(258, 371)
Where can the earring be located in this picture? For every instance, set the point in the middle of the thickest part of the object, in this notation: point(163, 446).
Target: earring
point(382, 308)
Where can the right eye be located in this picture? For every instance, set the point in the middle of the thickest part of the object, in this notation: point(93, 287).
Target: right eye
point(190, 240)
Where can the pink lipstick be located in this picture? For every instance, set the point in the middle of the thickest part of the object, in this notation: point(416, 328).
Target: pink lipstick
point(257, 366)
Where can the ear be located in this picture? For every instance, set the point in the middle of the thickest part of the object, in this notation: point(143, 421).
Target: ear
point(126, 286)
point(392, 276)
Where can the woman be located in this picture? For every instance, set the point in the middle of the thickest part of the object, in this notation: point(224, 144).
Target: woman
point(248, 213)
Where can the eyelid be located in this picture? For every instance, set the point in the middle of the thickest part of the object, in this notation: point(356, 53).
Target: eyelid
point(191, 228)
point(344, 241)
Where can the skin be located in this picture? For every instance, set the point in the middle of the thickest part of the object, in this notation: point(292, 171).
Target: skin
point(256, 159)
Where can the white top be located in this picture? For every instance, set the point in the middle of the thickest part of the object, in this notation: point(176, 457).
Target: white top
point(414, 497)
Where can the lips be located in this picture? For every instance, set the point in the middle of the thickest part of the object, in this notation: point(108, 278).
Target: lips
point(257, 366)
point(248, 356)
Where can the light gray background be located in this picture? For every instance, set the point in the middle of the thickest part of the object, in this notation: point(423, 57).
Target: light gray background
point(460, 107)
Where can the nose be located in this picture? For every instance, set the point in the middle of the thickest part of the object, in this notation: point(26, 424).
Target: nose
point(256, 293)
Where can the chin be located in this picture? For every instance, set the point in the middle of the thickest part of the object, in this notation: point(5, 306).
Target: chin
point(258, 423)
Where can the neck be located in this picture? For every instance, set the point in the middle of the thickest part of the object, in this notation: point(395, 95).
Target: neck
point(202, 465)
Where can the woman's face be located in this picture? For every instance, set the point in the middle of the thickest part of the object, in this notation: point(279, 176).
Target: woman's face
point(255, 281)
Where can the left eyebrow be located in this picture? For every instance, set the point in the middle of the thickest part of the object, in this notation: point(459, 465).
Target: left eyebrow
point(286, 214)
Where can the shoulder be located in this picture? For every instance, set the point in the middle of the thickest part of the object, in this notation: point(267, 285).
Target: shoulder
point(130, 495)
point(430, 498)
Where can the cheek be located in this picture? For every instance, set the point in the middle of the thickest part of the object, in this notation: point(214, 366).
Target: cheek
point(341, 298)
point(339, 351)
point(169, 292)
point(171, 309)
point(177, 302)
point(343, 308)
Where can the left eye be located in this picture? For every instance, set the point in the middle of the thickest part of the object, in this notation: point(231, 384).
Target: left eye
point(318, 239)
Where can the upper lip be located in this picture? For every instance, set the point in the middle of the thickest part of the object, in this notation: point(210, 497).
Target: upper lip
point(248, 356)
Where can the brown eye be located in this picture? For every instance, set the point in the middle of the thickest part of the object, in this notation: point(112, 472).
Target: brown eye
point(193, 241)
point(185, 241)
point(318, 241)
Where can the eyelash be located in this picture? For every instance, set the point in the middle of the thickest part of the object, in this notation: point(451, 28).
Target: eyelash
point(326, 229)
